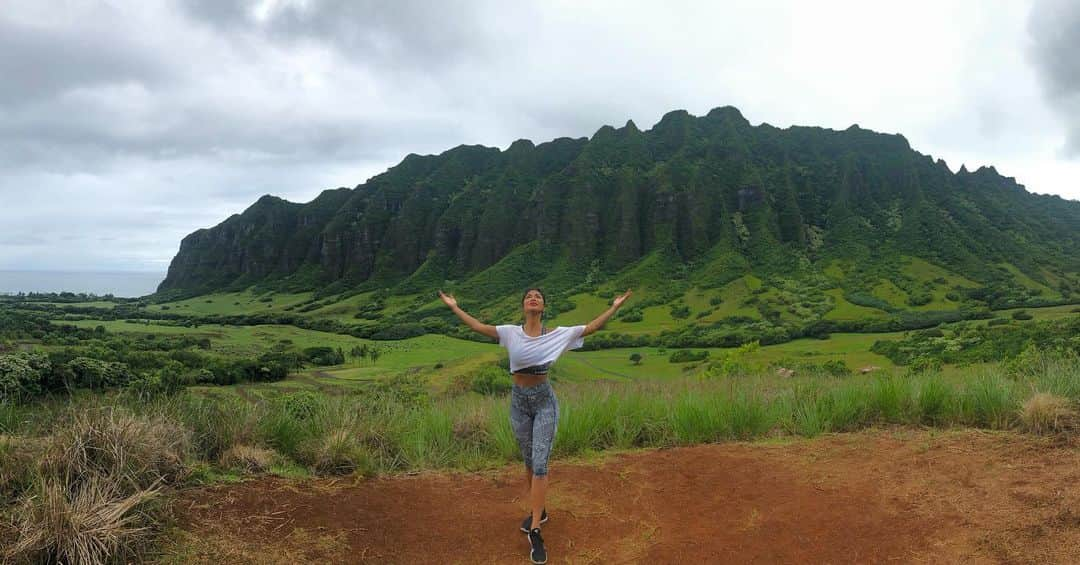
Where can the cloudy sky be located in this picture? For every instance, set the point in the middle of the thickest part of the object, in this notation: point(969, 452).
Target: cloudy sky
point(126, 125)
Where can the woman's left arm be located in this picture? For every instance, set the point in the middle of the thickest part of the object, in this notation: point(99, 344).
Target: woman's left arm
point(603, 318)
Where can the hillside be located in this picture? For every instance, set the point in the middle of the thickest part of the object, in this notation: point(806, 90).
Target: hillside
point(716, 222)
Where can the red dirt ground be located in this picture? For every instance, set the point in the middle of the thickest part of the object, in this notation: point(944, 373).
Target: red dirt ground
point(872, 497)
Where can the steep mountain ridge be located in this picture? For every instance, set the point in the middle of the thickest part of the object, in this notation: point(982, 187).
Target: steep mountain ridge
point(704, 199)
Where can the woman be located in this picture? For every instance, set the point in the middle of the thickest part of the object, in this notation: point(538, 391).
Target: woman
point(534, 410)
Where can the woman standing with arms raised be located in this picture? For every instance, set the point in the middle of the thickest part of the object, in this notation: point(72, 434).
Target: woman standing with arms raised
point(534, 410)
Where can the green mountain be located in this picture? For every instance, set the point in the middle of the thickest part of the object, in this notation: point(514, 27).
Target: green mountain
point(798, 226)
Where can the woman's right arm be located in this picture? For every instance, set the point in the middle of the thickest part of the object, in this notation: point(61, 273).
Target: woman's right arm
point(473, 323)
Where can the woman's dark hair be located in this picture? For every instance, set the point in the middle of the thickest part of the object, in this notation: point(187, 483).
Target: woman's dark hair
point(528, 290)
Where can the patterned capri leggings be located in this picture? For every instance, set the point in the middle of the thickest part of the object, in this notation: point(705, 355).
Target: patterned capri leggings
point(534, 416)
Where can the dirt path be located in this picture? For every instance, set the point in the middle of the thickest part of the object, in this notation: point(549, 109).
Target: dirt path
point(904, 497)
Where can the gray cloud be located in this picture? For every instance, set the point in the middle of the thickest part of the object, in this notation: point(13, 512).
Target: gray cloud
point(127, 129)
point(1054, 28)
point(41, 63)
point(416, 34)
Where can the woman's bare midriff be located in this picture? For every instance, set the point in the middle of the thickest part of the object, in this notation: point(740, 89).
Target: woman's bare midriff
point(526, 380)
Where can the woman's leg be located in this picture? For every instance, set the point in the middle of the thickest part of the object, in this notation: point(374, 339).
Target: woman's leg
point(545, 424)
point(521, 422)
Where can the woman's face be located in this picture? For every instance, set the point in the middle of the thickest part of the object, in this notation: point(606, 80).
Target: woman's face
point(533, 302)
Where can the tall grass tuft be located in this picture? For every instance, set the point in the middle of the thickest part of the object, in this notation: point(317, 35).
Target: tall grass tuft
point(1046, 413)
point(95, 482)
point(92, 522)
point(248, 458)
point(989, 400)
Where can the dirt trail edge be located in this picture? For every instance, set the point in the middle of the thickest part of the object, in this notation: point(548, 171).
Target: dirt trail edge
point(872, 497)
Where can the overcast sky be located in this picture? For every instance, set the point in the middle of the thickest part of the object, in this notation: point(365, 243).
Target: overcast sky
point(126, 125)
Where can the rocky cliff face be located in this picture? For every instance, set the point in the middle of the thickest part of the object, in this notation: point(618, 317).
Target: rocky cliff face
point(690, 187)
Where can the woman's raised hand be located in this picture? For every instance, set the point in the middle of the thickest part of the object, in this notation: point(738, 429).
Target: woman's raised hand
point(447, 299)
point(620, 299)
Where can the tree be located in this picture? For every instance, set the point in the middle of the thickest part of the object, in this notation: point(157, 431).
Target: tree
point(635, 358)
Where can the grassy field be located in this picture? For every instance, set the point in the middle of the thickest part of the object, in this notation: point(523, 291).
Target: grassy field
point(440, 360)
point(244, 302)
point(421, 355)
point(112, 453)
point(117, 451)
point(844, 310)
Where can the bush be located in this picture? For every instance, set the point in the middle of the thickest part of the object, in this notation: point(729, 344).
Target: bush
point(687, 355)
point(94, 373)
point(998, 322)
point(836, 368)
point(490, 380)
point(323, 356)
point(925, 363)
point(22, 375)
point(632, 315)
point(301, 405)
point(407, 389)
point(1022, 315)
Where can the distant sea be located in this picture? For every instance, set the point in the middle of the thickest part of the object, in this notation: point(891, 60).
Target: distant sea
point(117, 283)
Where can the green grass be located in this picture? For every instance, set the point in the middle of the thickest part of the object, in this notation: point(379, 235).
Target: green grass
point(844, 310)
point(851, 348)
point(889, 292)
point(245, 302)
point(104, 304)
point(461, 358)
point(1029, 283)
point(588, 306)
point(922, 270)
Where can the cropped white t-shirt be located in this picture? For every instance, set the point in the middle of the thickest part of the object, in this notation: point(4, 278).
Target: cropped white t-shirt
point(528, 351)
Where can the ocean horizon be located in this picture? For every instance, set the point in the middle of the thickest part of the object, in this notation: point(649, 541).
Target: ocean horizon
point(126, 284)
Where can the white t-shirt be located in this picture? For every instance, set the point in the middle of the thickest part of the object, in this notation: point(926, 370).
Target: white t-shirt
point(527, 351)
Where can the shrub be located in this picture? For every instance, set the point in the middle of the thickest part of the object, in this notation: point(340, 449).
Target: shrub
point(836, 368)
point(1022, 315)
point(998, 322)
point(22, 375)
point(632, 315)
point(490, 380)
point(323, 356)
point(301, 405)
point(687, 356)
point(407, 389)
point(925, 363)
point(94, 373)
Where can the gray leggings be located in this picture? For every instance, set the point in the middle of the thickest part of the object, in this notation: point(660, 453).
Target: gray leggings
point(534, 416)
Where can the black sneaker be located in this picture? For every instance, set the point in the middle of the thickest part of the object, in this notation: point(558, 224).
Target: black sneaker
point(538, 555)
point(526, 524)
